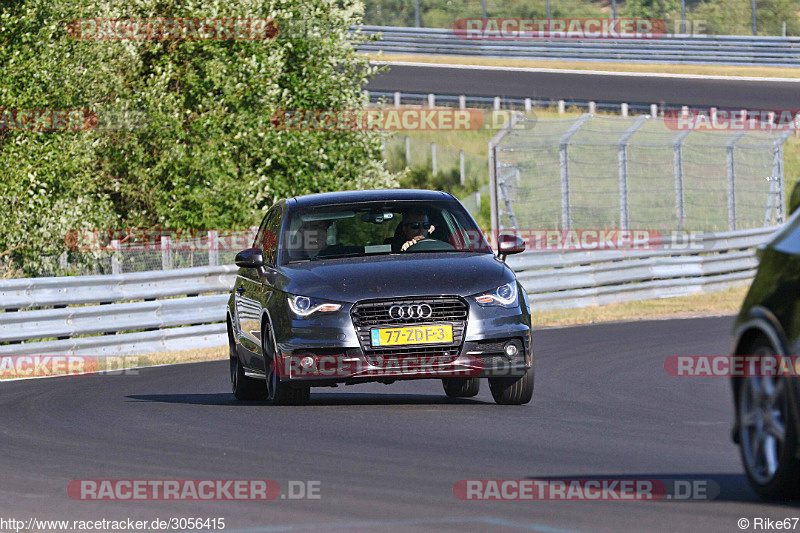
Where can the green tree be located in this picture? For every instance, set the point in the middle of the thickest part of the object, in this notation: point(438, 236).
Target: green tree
point(200, 150)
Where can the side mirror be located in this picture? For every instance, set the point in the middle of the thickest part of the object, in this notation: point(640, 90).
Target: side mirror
point(509, 244)
point(250, 258)
point(794, 199)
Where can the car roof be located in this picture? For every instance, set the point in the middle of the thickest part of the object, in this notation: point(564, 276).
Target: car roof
point(389, 195)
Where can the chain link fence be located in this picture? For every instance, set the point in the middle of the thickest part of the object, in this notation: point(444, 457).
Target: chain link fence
point(609, 172)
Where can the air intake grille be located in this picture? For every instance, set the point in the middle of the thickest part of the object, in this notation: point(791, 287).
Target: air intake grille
point(370, 314)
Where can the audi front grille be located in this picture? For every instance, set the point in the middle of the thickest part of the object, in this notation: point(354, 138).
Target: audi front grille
point(369, 314)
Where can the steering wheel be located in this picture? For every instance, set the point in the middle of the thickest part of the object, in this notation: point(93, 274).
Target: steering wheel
point(429, 244)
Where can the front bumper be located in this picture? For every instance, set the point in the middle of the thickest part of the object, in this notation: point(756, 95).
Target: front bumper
point(326, 350)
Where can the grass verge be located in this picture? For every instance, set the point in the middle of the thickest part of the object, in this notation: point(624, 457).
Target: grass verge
point(725, 302)
point(654, 68)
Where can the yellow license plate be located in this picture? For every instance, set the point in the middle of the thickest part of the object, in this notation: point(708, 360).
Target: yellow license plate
point(412, 335)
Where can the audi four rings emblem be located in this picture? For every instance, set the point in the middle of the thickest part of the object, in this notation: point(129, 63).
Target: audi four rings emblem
point(410, 311)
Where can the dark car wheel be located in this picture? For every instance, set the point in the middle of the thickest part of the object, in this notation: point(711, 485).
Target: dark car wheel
point(461, 387)
point(512, 391)
point(244, 388)
point(280, 392)
point(768, 436)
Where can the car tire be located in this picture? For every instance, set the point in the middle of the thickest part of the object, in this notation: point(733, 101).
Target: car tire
point(512, 391)
point(280, 392)
point(461, 387)
point(767, 432)
point(243, 387)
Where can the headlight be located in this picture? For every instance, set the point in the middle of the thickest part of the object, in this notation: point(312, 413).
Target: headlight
point(303, 306)
point(502, 296)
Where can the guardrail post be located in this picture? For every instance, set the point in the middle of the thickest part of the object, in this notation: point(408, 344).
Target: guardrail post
point(654, 110)
point(677, 162)
point(495, 212)
point(622, 152)
point(624, 109)
point(462, 101)
point(397, 98)
point(592, 107)
point(116, 264)
point(731, 166)
point(433, 158)
point(563, 161)
point(497, 103)
point(213, 247)
point(561, 107)
point(166, 252)
point(461, 167)
point(62, 261)
point(431, 100)
point(408, 151)
point(528, 106)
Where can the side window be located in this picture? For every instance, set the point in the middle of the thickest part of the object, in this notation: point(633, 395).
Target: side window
point(260, 233)
point(268, 238)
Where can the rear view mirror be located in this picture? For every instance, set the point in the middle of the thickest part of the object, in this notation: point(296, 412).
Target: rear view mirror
point(509, 244)
point(794, 199)
point(250, 258)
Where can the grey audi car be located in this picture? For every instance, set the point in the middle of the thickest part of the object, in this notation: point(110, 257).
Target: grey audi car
point(377, 286)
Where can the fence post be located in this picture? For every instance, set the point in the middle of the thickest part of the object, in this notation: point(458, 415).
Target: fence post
point(495, 214)
point(622, 152)
point(731, 165)
point(62, 261)
point(677, 162)
point(408, 151)
point(166, 252)
point(116, 264)
point(213, 247)
point(433, 158)
point(563, 160)
point(461, 167)
point(779, 177)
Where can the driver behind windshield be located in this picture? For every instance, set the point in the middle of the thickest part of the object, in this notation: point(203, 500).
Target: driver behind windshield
point(414, 227)
point(311, 238)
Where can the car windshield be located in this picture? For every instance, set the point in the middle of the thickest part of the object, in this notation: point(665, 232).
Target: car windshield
point(365, 229)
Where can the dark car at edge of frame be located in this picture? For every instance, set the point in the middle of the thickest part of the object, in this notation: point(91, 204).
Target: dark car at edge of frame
point(767, 408)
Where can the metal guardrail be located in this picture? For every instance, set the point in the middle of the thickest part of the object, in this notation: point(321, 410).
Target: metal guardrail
point(578, 278)
point(720, 50)
point(39, 309)
point(183, 309)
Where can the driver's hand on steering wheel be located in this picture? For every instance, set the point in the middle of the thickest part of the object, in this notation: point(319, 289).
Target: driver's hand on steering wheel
point(415, 240)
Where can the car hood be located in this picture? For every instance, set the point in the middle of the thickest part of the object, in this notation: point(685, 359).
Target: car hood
point(388, 276)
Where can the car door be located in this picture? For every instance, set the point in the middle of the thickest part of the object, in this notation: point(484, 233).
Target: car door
point(248, 296)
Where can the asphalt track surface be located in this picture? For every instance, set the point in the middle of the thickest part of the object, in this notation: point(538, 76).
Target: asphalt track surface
point(608, 87)
point(388, 456)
